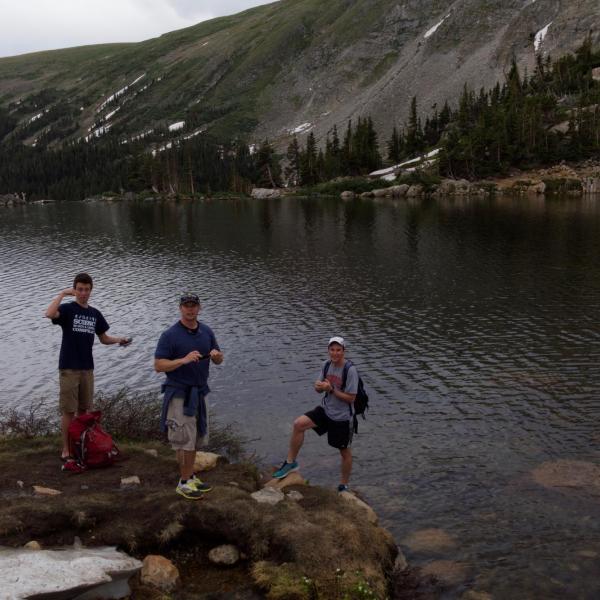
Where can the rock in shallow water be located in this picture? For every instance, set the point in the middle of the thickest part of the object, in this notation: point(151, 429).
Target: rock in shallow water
point(575, 474)
point(429, 540)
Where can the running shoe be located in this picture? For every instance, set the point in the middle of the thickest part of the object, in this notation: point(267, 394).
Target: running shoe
point(285, 469)
point(188, 490)
point(199, 484)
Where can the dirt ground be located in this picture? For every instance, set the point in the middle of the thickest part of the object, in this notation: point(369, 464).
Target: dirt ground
point(317, 547)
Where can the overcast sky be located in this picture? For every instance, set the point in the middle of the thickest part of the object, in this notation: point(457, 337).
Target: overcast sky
point(32, 25)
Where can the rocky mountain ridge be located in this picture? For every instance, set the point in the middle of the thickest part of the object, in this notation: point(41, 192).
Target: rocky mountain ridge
point(289, 67)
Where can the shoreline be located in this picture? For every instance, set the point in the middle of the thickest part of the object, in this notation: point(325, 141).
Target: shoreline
point(278, 541)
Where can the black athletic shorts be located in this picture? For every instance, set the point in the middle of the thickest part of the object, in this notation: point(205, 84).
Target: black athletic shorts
point(339, 433)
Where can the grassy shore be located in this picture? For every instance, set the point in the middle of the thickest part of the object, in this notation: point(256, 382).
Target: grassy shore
point(317, 547)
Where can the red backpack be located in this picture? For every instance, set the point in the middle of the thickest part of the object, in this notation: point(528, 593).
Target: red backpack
point(89, 444)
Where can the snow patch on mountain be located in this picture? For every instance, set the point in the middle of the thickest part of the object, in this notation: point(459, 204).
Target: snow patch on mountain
point(97, 132)
point(540, 36)
point(301, 128)
point(111, 113)
point(119, 93)
point(386, 173)
point(431, 31)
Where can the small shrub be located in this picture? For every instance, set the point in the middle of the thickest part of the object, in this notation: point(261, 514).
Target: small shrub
point(418, 177)
point(358, 185)
point(127, 416)
point(563, 185)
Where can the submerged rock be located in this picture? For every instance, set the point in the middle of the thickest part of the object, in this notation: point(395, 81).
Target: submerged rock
point(429, 540)
point(568, 474)
point(446, 571)
point(97, 572)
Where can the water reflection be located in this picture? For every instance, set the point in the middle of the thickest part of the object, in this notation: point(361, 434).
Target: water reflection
point(474, 323)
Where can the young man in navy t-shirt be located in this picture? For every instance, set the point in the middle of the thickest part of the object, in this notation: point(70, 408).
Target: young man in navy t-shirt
point(80, 322)
point(183, 353)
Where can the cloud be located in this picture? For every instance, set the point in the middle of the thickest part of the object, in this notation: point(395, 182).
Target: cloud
point(32, 25)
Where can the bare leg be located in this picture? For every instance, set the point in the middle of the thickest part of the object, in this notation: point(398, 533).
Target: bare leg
point(301, 424)
point(65, 421)
point(346, 454)
point(186, 459)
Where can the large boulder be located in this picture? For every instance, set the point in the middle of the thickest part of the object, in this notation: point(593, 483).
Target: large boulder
point(399, 191)
point(537, 188)
point(159, 572)
point(205, 461)
point(591, 185)
point(347, 195)
point(369, 512)
point(265, 193)
point(293, 478)
point(414, 191)
point(382, 193)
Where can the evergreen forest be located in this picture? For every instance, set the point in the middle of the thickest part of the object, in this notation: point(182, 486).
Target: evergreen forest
point(529, 120)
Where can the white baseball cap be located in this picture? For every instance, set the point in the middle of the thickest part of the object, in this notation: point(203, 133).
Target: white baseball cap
point(336, 339)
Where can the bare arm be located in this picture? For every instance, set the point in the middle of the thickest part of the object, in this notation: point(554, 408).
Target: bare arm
point(327, 387)
point(109, 339)
point(52, 311)
point(166, 365)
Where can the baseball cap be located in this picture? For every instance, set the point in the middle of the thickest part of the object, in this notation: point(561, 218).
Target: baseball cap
point(336, 339)
point(185, 298)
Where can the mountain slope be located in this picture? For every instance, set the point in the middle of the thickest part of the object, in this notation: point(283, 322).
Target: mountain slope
point(270, 70)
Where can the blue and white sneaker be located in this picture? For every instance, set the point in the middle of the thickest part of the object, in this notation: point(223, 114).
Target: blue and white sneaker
point(285, 469)
point(343, 487)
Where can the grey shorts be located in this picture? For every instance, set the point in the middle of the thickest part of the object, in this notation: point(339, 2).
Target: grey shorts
point(182, 431)
point(76, 390)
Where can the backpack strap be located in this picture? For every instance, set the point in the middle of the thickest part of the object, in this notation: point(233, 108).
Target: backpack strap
point(347, 366)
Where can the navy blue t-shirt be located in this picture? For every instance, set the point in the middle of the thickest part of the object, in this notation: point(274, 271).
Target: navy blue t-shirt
point(79, 326)
point(178, 341)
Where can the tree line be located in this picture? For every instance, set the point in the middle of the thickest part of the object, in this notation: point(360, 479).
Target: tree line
point(529, 120)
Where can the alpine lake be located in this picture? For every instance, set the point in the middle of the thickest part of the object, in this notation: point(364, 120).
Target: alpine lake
point(475, 325)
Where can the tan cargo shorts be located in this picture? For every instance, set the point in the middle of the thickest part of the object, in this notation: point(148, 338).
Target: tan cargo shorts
point(182, 431)
point(76, 390)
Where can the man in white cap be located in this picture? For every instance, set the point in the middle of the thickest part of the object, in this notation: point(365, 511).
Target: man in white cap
point(335, 415)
